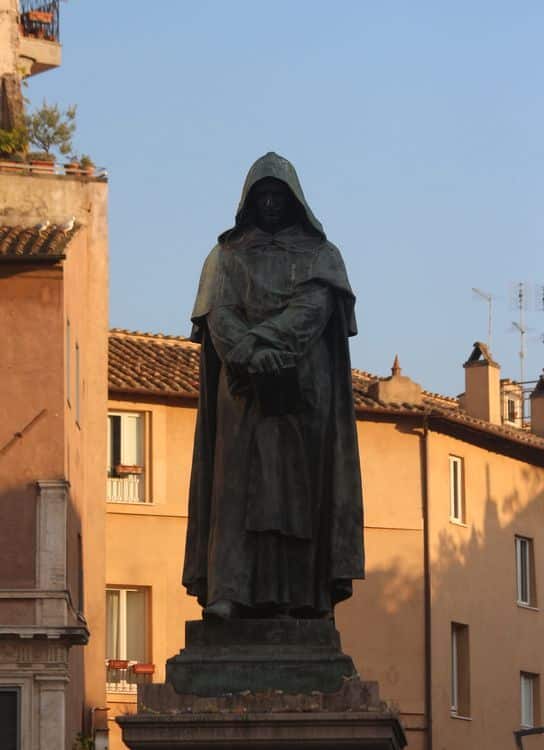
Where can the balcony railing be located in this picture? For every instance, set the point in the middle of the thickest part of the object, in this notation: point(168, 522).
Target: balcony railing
point(129, 489)
point(52, 168)
point(40, 20)
point(123, 676)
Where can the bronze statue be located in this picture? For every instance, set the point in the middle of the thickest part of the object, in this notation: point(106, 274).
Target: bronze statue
point(275, 510)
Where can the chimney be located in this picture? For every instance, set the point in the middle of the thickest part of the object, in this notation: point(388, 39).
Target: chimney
point(482, 397)
point(397, 389)
point(537, 408)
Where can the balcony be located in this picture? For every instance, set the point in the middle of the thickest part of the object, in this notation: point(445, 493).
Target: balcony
point(124, 676)
point(126, 489)
point(39, 47)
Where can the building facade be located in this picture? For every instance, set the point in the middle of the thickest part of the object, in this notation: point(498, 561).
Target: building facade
point(53, 380)
point(448, 620)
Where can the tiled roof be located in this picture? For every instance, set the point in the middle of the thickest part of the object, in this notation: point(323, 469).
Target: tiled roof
point(156, 364)
point(31, 244)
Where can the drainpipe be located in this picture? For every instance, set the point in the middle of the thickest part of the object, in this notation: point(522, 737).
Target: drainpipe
point(525, 733)
point(427, 583)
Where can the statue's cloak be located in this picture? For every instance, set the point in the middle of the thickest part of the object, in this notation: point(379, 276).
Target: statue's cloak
point(337, 543)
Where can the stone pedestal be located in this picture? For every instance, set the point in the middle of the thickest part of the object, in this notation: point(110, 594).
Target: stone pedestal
point(296, 656)
point(272, 684)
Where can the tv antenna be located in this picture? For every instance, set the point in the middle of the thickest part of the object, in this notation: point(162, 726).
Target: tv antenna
point(489, 299)
point(521, 303)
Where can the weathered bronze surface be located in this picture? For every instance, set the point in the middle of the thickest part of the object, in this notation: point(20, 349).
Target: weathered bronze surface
point(275, 510)
point(251, 656)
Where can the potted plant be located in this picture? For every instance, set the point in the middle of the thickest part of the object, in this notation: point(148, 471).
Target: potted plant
point(124, 469)
point(72, 165)
point(40, 16)
point(117, 663)
point(13, 144)
point(12, 162)
point(87, 165)
point(51, 128)
point(41, 161)
point(142, 673)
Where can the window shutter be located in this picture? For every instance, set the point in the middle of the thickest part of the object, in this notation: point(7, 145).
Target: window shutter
point(131, 440)
point(136, 631)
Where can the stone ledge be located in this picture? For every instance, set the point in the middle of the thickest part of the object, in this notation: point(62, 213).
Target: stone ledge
point(354, 695)
point(278, 731)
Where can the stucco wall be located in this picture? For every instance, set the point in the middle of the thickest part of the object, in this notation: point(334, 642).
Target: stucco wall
point(382, 624)
point(474, 583)
point(34, 307)
point(145, 542)
point(86, 307)
point(32, 410)
point(8, 36)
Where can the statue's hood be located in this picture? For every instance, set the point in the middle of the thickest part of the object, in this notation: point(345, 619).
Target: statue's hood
point(273, 165)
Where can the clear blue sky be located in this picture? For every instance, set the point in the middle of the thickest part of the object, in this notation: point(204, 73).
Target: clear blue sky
point(417, 129)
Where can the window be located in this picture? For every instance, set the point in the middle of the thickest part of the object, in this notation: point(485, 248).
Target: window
point(511, 415)
point(126, 636)
point(457, 501)
point(529, 689)
point(9, 717)
point(80, 579)
point(460, 670)
point(78, 396)
point(68, 357)
point(526, 589)
point(126, 480)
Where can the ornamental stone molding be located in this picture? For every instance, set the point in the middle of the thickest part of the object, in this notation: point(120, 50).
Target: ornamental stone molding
point(51, 549)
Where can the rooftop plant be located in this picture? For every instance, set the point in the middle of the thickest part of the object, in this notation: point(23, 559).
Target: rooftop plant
point(13, 141)
point(51, 128)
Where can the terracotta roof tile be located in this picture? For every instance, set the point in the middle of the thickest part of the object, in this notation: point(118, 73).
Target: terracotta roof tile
point(28, 243)
point(157, 364)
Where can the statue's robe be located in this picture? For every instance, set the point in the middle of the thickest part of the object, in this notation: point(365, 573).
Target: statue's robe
point(275, 509)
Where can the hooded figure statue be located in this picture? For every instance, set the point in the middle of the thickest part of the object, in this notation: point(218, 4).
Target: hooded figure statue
point(275, 507)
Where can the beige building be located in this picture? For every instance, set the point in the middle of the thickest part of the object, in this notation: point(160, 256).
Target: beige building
point(93, 520)
point(52, 452)
point(448, 619)
point(53, 385)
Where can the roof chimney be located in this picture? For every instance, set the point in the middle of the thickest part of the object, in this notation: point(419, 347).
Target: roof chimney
point(482, 397)
point(537, 408)
point(397, 389)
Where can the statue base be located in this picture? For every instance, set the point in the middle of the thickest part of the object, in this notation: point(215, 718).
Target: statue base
point(351, 717)
point(232, 656)
point(272, 684)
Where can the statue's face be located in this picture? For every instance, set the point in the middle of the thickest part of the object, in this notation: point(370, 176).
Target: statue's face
point(272, 202)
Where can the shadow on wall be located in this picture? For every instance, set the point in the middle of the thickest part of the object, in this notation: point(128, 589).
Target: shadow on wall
point(474, 583)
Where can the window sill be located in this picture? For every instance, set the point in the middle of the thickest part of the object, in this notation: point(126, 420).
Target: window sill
point(456, 522)
point(530, 607)
point(132, 503)
point(453, 715)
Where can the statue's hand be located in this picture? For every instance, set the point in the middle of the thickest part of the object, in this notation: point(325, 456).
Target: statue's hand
point(266, 361)
point(239, 357)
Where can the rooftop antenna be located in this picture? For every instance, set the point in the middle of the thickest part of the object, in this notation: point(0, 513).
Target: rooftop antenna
point(520, 326)
point(489, 299)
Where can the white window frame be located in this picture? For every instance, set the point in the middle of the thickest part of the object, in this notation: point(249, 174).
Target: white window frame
point(527, 684)
point(28, 701)
point(515, 403)
point(132, 487)
point(68, 362)
point(524, 571)
point(456, 467)
point(78, 387)
point(124, 686)
point(16, 690)
point(456, 709)
point(454, 671)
